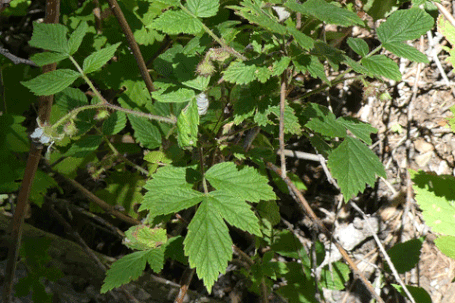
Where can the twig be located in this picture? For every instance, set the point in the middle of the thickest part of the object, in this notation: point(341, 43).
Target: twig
point(281, 127)
point(52, 16)
point(16, 60)
point(184, 288)
point(444, 11)
point(297, 195)
point(382, 249)
point(132, 43)
point(436, 60)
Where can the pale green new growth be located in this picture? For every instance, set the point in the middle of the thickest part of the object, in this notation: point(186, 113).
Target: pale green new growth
point(187, 125)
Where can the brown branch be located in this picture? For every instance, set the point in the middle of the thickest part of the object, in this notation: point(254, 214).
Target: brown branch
point(185, 286)
point(52, 16)
point(132, 43)
point(297, 195)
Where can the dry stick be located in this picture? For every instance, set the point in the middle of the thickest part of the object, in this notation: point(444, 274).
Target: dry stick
point(317, 222)
point(52, 16)
point(382, 249)
point(132, 43)
point(445, 12)
point(281, 129)
point(16, 60)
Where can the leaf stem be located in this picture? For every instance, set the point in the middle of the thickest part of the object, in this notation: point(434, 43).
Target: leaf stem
point(87, 80)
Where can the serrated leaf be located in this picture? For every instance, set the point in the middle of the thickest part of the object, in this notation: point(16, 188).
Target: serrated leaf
point(203, 8)
point(286, 244)
point(124, 270)
point(52, 82)
point(50, 37)
point(381, 65)
point(177, 95)
point(405, 24)
point(405, 255)
point(311, 64)
point(246, 183)
point(359, 46)
point(70, 98)
point(446, 29)
point(45, 58)
point(270, 211)
point(187, 125)
point(291, 122)
point(435, 197)
point(323, 121)
point(419, 294)
point(239, 73)
point(354, 165)
point(446, 244)
point(170, 2)
point(357, 67)
point(199, 83)
point(358, 128)
point(235, 211)
point(114, 123)
point(76, 37)
point(141, 237)
point(401, 49)
point(208, 244)
point(326, 12)
point(155, 258)
point(280, 65)
point(303, 40)
point(84, 146)
point(177, 22)
point(145, 132)
point(96, 60)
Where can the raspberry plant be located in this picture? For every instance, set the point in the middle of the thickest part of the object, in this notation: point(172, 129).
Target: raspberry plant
point(214, 76)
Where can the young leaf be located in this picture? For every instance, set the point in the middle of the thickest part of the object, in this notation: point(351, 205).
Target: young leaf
point(326, 12)
point(124, 270)
point(50, 37)
point(405, 25)
point(187, 125)
point(50, 83)
point(359, 46)
point(45, 58)
point(401, 49)
point(381, 65)
point(203, 8)
point(96, 60)
point(354, 165)
point(141, 237)
point(446, 244)
point(145, 132)
point(114, 123)
point(177, 22)
point(235, 211)
point(76, 37)
point(246, 184)
point(240, 73)
point(155, 258)
point(208, 244)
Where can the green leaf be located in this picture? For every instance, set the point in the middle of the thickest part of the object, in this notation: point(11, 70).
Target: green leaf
point(286, 244)
point(280, 65)
point(336, 276)
point(177, 22)
point(145, 132)
point(203, 8)
point(169, 191)
point(380, 65)
point(235, 211)
point(325, 12)
point(124, 270)
point(354, 165)
point(178, 95)
point(170, 2)
point(45, 58)
point(200, 83)
point(187, 125)
point(84, 146)
point(303, 40)
point(208, 244)
point(291, 122)
point(269, 210)
point(323, 121)
point(359, 129)
point(435, 197)
point(406, 255)
point(239, 73)
point(50, 37)
point(155, 258)
point(419, 294)
point(96, 60)
point(311, 64)
point(446, 29)
point(50, 83)
point(141, 237)
point(405, 25)
point(446, 244)
point(359, 46)
point(114, 123)
point(76, 37)
point(245, 184)
point(401, 49)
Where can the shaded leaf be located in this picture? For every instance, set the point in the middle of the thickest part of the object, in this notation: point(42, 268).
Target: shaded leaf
point(96, 60)
point(52, 82)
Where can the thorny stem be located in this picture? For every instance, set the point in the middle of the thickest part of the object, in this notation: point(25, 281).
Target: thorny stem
point(87, 80)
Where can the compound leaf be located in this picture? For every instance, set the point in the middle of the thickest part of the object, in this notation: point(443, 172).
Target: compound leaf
point(246, 184)
point(381, 65)
point(358, 128)
point(208, 244)
point(405, 24)
point(323, 121)
point(177, 22)
point(52, 82)
point(303, 40)
point(359, 46)
point(96, 60)
point(203, 8)
point(354, 165)
point(50, 37)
